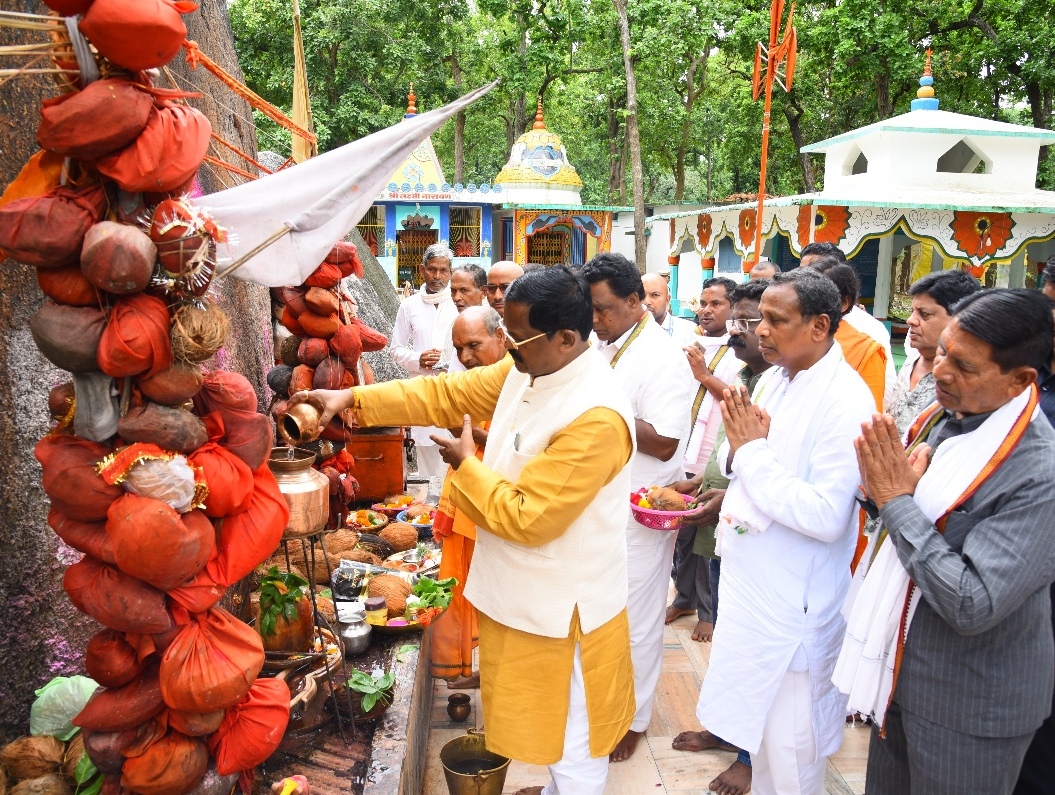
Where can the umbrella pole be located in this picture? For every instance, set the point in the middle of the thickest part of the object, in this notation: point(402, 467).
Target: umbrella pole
point(238, 263)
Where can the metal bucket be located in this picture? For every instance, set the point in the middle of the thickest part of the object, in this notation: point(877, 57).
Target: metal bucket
point(470, 769)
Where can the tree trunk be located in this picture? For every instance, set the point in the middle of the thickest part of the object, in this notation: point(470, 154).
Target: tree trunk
point(700, 62)
point(616, 160)
point(633, 138)
point(884, 106)
point(793, 113)
point(459, 124)
point(519, 114)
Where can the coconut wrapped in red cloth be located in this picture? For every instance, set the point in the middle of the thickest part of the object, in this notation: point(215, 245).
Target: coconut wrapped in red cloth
point(115, 599)
point(313, 351)
point(70, 477)
point(199, 593)
point(153, 542)
point(321, 302)
point(289, 320)
point(293, 297)
point(105, 116)
point(331, 374)
point(120, 708)
point(196, 724)
point(372, 340)
point(174, 386)
point(326, 276)
point(171, 764)
point(47, 231)
point(136, 340)
point(345, 256)
point(136, 34)
point(322, 326)
point(347, 345)
point(69, 336)
point(229, 478)
point(165, 155)
point(67, 285)
point(252, 729)
point(87, 537)
point(104, 749)
point(301, 379)
point(118, 258)
point(230, 399)
point(211, 663)
point(248, 538)
point(226, 390)
point(167, 427)
point(111, 660)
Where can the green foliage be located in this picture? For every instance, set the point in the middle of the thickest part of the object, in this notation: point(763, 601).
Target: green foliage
point(279, 593)
point(373, 687)
point(435, 593)
point(859, 62)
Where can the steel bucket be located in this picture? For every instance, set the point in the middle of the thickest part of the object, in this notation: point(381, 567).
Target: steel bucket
point(468, 753)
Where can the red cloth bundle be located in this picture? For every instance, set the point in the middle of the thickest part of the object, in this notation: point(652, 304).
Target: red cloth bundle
point(229, 478)
point(173, 386)
point(222, 390)
point(70, 478)
point(169, 428)
point(120, 708)
point(166, 154)
point(248, 538)
point(102, 118)
point(345, 256)
point(171, 765)
point(136, 34)
point(252, 730)
point(321, 302)
point(87, 537)
point(211, 663)
point(104, 749)
point(68, 8)
point(293, 297)
point(372, 340)
point(303, 378)
point(331, 374)
point(326, 276)
point(111, 660)
point(154, 543)
point(347, 344)
point(136, 340)
point(289, 320)
point(47, 231)
point(199, 593)
point(323, 326)
point(67, 285)
point(115, 599)
point(69, 336)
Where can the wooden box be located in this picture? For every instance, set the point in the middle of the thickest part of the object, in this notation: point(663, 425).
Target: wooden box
point(380, 462)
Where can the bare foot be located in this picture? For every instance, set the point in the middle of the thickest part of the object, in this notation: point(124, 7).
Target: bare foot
point(529, 791)
point(464, 682)
point(703, 632)
point(674, 613)
point(700, 741)
point(736, 780)
point(626, 747)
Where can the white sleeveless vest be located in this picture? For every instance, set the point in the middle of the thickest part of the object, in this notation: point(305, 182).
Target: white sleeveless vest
point(536, 589)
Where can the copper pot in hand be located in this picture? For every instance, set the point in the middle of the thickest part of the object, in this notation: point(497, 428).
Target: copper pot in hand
point(307, 491)
point(299, 425)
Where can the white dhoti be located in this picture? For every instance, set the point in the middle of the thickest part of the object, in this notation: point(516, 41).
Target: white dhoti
point(649, 557)
point(577, 773)
point(786, 762)
point(430, 463)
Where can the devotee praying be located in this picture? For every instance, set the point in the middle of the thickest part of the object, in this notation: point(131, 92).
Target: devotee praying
point(549, 500)
point(714, 368)
point(786, 533)
point(421, 341)
point(949, 638)
point(654, 375)
point(479, 341)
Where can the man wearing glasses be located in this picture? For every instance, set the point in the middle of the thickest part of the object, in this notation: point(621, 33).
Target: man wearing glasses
point(501, 275)
point(548, 574)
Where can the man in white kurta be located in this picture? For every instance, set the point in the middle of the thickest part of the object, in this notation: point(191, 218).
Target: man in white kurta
point(787, 532)
point(421, 336)
point(656, 378)
point(657, 301)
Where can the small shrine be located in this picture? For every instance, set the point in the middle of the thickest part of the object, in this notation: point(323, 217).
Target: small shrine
point(419, 208)
point(942, 189)
point(543, 219)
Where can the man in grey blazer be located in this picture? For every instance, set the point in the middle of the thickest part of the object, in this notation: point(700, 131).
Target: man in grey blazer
point(978, 664)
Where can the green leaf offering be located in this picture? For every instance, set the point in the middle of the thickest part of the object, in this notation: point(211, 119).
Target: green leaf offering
point(435, 593)
point(373, 688)
point(279, 594)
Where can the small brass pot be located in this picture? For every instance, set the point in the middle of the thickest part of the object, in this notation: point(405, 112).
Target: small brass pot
point(299, 425)
point(459, 706)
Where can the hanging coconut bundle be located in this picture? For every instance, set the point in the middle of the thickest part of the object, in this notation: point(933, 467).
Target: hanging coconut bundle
point(198, 332)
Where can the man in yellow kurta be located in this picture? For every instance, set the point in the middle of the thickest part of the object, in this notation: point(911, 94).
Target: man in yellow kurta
point(479, 341)
point(548, 575)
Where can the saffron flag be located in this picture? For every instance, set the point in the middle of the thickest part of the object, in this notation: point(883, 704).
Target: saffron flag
point(296, 215)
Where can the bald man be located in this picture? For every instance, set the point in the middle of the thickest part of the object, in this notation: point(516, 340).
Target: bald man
point(479, 339)
point(763, 269)
point(657, 301)
point(501, 275)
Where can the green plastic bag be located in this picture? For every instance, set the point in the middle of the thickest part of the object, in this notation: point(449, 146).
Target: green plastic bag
point(58, 702)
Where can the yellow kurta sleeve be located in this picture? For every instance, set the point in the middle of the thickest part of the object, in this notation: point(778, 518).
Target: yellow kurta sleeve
point(553, 488)
point(441, 401)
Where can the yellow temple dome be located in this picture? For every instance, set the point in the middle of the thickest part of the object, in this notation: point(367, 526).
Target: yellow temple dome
point(538, 170)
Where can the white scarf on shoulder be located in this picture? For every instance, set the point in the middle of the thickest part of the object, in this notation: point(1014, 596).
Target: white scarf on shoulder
point(877, 600)
point(446, 313)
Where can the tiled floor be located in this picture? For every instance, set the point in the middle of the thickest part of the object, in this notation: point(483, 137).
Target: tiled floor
point(655, 767)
